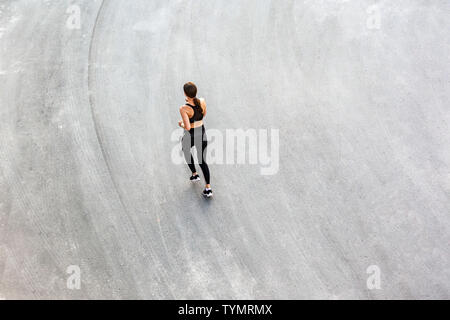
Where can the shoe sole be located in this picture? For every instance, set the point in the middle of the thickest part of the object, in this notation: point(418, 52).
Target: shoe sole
point(208, 195)
point(195, 180)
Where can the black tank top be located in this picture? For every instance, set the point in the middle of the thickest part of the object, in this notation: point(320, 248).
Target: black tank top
point(198, 113)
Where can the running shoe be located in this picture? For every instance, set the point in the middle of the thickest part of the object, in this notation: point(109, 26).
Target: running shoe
point(208, 193)
point(195, 178)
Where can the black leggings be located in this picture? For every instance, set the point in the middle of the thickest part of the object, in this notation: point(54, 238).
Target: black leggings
point(196, 137)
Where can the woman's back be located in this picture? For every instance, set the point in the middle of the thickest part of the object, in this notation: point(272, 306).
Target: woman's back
point(198, 113)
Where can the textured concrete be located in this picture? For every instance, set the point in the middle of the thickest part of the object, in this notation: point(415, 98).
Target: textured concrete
point(86, 176)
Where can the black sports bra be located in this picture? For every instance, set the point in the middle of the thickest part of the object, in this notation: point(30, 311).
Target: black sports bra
point(198, 113)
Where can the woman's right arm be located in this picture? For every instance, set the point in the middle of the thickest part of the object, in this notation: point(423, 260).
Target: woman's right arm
point(203, 104)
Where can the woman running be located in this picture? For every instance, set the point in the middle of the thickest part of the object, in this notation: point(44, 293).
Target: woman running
point(192, 114)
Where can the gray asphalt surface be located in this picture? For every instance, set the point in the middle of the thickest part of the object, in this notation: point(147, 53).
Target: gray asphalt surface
point(362, 105)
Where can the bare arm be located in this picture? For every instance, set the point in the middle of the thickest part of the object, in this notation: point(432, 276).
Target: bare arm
point(185, 118)
point(203, 104)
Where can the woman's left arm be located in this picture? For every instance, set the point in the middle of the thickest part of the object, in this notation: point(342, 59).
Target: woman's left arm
point(185, 118)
